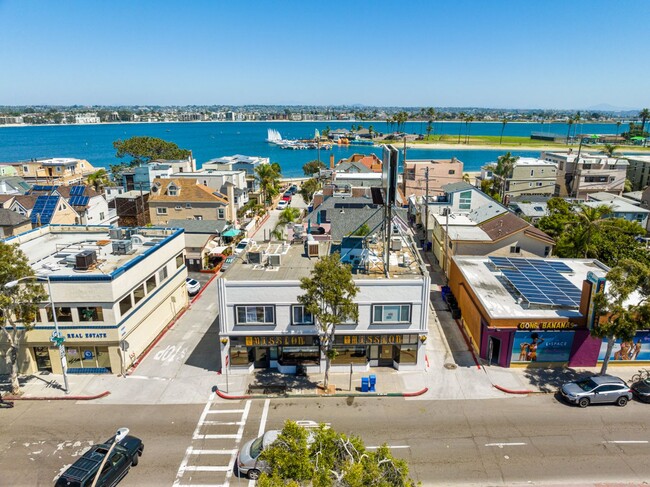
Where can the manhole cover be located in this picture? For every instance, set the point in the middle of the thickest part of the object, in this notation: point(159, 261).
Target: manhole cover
point(450, 366)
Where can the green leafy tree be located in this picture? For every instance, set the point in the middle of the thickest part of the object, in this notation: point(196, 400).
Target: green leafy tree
point(323, 457)
point(287, 216)
point(18, 305)
point(144, 149)
point(312, 167)
point(308, 189)
point(99, 179)
point(362, 231)
point(329, 297)
point(619, 317)
point(371, 130)
point(503, 171)
point(644, 115)
point(609, 149)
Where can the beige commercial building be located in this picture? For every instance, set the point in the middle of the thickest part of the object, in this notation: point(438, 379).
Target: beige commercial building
point(114, 291)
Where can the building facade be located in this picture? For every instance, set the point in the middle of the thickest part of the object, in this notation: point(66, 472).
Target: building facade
point(110, 303)
point(438, 173)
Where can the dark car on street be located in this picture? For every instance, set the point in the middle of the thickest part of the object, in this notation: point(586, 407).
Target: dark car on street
point(599, 389)
point(641, 390)
point(82, 472)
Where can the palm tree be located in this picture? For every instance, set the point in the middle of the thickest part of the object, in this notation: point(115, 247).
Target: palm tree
point(568, 132)
point(618, 126)
point(609, 149)
point(461, 117)
point(268, 177)
point(504, 121)
point(591, 218)
point(645, 115)
point(503, 171)
point(468, 122)
point(99, 179)
point(576, 120)
point(287, 216)
point(371, 130)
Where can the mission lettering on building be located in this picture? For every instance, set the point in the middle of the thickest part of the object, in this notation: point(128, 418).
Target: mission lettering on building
point(282, 340)
point(545, 325)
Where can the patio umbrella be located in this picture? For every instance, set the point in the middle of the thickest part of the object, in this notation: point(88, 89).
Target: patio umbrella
point(231, 232)
point(594, 136)
point(638, 138)
point(318, 218)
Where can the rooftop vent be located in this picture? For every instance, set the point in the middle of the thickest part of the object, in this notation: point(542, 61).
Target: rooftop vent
point(84, 260)
point(275, 260)
point(122, 247)
point(255, 257)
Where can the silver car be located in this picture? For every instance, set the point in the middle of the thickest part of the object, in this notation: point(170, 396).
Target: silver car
point(600, 389)
point(248, 459)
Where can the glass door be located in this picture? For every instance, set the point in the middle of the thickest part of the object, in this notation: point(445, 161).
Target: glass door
point(42, 356)
point(261, 360)
point(386, 355)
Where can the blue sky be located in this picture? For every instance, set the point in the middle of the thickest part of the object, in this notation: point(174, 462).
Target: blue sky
point(520, 54)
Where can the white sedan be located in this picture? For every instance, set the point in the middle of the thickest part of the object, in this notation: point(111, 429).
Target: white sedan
point(282, 204)
point(193, 286)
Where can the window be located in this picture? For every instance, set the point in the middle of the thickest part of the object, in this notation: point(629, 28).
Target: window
point(138, 294)
point(222, 213)
point(162, 274)
point(151, 284)
point(547, 251)
point(25, 169)
point(125, 305)
point(90, 313)
point(198, 217)
point(178, 207)
point(161, 211)
point(101, 215)
point(179, 260)
point(350, 355)
point(260, 315)
point(188, 205)
point(452, 171)
point(515, 249)
point(465, 201)
point(238, 355)
point(172, 190)
point(391, 313)
point(300, 316)
point(532, 172)
point(410, 174)
point(62, 314)
point(408, 354)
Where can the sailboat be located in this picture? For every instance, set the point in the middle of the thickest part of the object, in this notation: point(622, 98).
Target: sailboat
point(273, 136)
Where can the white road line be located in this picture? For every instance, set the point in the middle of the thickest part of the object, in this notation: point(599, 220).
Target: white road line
point(212, 452)
point(501, 445)
point(206, 469)
point(240, 432)
point(262, 428)
point(217, 437)
point(226, 411)
point(222, 423)
point(392, 447)
point(201, 485)
point(628, 442)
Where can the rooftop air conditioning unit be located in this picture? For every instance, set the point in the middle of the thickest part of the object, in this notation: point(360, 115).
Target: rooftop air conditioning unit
point(122, 247)
point(313, 249)
point(255, 257)
point(115, 233)
point(275, 260)
point(396, 243)
point(85, 259)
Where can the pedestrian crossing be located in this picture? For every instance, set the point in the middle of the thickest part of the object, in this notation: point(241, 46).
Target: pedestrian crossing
point(210, 459)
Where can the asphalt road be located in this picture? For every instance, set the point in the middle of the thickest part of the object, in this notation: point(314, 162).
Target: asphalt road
point(533, 440)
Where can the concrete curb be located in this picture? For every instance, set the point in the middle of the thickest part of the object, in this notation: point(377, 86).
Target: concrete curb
point(223, 395)
point(214, 276)
point(63, 398)
point(511, 391)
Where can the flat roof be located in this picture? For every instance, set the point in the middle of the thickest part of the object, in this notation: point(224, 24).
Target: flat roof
point(48, 247)
point(533, 161)
point(501, 301)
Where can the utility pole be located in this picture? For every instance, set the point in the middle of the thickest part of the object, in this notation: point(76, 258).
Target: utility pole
point(446, 243)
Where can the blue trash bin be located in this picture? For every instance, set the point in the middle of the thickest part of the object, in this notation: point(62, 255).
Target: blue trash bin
point(365, 384)
point(373, 382)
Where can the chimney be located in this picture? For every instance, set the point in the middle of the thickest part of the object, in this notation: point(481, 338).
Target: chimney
point(331, 161)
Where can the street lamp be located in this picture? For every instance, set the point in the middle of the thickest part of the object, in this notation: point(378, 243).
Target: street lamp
point(119, 436)
point(57, 338)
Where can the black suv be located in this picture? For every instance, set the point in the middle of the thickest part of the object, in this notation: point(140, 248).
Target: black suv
point(82, 472)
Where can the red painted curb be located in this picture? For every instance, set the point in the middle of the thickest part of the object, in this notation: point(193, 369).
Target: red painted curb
point(228, 396)
point(63, 398)
point(510, 391)
point(203, 288)
point(414, 394)
point(426, 359)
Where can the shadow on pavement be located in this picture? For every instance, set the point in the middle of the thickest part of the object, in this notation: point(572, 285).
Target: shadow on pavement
point(550, 380)
point(206, 353)
point(269, 379)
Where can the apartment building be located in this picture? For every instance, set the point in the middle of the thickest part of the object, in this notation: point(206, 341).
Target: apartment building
point(438, 173)
point(638, 171)
point(114, 290)
point(590, 173)
point(218, 181)
point(529, 177)
point(57, 171)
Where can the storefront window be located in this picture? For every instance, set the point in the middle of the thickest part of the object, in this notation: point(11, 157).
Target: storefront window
point(73, 357)
point(238, 355)
point(298, 355)
point(300, 316)
point(103, 359)
point(351, 355)
point(90, 313)
point(408, 354)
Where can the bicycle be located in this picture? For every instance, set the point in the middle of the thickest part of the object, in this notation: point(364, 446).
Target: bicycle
point(642, 374)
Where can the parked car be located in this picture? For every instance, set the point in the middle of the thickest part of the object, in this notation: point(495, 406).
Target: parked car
point(193, 286)
point(293, 189)
point(227, 263)
point(241, 246)
point(282, 204)
point(286, 197)
point(599, 389)
point(641, 389)
point(248, 458)
point(82, 472)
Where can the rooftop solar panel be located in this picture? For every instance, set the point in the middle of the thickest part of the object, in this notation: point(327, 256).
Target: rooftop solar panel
point(547, 287)
point(77, 190)
point(79, 200)
point(44, 209)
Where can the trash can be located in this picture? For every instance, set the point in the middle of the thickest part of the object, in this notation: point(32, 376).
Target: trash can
point(373, 382)
point(365, 384)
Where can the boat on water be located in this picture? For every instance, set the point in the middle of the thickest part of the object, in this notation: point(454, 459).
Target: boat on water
point(274, 137)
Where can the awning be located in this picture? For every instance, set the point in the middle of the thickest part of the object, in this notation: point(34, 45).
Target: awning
point(232, 232)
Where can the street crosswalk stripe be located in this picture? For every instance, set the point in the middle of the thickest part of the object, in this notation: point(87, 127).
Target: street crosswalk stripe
point(223, 423)
point(216, 437)
point(212, 452)
point(225, 411)
point(210, 468)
